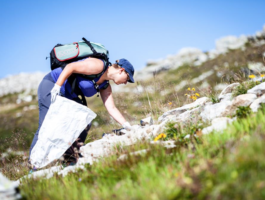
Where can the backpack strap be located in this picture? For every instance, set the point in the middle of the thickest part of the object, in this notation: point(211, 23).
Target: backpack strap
point(90, 45)
point(77, 90)
point(93, 76)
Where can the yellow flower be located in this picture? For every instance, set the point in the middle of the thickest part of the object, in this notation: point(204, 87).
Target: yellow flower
point(193, 89)
point(157, 138)
point(197, 94)
point(163, 135)
point(194, 97)
point(188, 88)
point(262, 75)
point(186, 94)
point(169, 103)
point(251, 76)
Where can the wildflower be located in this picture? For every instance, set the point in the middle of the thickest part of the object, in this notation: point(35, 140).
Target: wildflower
point(251, 76)
point(193, 89)
point(162, 135)
point(169, 103)
point(194, 98)
point(197, 94)
point(188, 88)
point(262, 75)
point(79, 179)
point(186, 94)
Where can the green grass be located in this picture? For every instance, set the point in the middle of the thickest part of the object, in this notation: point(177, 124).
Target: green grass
point(217, 166)
point(223, 166)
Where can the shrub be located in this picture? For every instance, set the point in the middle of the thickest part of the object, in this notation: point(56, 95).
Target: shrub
point(243, 111)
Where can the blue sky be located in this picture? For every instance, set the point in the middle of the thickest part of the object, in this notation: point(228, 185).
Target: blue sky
point(136, 30)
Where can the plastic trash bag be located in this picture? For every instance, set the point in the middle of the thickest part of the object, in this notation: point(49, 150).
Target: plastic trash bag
point(63, 123)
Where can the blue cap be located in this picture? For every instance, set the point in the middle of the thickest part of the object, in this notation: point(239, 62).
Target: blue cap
point(128, 68)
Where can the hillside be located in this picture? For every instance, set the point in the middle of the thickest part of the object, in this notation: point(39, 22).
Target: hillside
point(182, 94)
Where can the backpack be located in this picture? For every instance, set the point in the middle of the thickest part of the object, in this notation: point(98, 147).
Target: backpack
point(61, 55)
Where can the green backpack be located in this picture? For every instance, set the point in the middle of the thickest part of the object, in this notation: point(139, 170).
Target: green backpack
point(61, 55)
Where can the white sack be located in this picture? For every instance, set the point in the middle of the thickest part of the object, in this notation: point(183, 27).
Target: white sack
point(63, 123)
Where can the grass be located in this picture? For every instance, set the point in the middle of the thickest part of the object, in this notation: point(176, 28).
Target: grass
point(216, 166)
point(222, 166)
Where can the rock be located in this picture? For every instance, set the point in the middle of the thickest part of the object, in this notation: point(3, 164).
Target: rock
point(184, 56)
point(202, 77)
point(168, 144)
point(243, 100)
point(20, 82)
point(146, 121)
point(189, 116)
point(256, 104)
point(187, 136)
point(230, 42)
point(257, 67)
point(216, 110)
point(258, 89)
point(8, 189)
point(178, 111)
point(137, 153)
point(220, 86)
point(228, 89)
point(226, 97)
point(218, 124)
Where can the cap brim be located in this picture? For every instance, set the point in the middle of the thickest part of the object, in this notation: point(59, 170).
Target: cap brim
point(131, 79)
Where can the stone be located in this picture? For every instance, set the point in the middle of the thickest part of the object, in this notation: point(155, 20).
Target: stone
point(258, 89)
point(177, 111)
point(202, 77)
point(16, 83)
point(189, 116)
point(168, 144)
point(218, 124)
point(256, 66)
point(146, 121)
point(256, 104)
point(230, 42)
point(228, 89)
point(226, 97)
point(215, 110)
point(243, 100)
point(136, 153)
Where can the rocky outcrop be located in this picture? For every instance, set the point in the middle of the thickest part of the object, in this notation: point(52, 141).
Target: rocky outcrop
point(21, 82)
point(230, 42)
point(177, 111)
point(218, 124)
point(228, 89)
point(202, 108)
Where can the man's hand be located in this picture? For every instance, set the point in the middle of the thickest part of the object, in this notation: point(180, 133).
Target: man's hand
point(54, 92)
point(127, 126)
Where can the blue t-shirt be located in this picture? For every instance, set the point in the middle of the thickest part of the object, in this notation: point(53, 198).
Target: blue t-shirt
point(87, 87)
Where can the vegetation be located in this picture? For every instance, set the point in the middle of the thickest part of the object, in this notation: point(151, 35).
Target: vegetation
point(222, 166)
point(243, 111)
point(213, 166)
